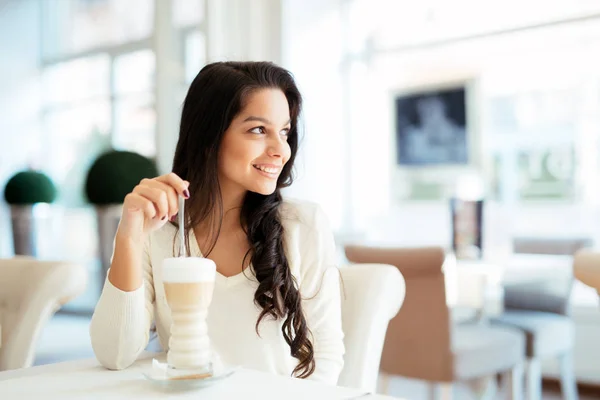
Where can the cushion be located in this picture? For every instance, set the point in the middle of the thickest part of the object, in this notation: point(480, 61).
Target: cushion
point(547, 334)
point(482, 349)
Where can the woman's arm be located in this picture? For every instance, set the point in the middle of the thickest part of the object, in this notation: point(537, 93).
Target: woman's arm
point(120, 326)
point(320, 290)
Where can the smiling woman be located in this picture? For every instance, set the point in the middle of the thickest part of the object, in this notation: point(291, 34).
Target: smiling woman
point(276, 304)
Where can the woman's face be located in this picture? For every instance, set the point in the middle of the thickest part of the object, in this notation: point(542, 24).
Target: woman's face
point(254, 148)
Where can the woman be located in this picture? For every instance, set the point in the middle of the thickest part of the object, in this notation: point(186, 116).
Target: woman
point(276, 305)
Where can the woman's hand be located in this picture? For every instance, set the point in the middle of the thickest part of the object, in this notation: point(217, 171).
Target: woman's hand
point(149, 206)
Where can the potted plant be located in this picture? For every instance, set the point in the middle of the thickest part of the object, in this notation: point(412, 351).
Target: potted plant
point(111, 177)
point(24, 192)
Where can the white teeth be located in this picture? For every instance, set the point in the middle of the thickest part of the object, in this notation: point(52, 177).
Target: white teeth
point(267, 169)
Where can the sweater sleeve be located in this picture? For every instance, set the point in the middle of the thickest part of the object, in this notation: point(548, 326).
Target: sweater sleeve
point(321, 300)
point(120, 326)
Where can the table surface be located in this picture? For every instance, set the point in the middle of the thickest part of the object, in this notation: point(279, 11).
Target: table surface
point(87, 379)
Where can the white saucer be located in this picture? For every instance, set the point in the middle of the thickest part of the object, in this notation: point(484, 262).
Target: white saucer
point(167, 377)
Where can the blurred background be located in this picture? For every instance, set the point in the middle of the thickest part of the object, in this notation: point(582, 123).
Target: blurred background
point(408, 105)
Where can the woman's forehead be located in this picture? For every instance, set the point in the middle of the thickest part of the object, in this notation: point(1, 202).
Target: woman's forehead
point(268, 104)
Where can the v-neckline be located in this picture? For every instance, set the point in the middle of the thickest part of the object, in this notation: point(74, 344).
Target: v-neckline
point(227, 280)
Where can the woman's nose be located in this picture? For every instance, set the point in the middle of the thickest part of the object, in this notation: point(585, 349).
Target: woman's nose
point(276, 148)
point(273, 152)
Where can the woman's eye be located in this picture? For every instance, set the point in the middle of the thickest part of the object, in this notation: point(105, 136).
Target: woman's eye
point(285, 132)
point(258, 130)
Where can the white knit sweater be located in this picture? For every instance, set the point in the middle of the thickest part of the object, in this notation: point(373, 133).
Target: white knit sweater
point(121, 321)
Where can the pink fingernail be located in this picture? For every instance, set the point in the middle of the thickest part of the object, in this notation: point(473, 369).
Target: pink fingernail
point(186, 194)
point(172, 219)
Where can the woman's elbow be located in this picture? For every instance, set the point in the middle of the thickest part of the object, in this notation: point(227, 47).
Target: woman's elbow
point(328, 370)
point(110, 351)
point(109, 356)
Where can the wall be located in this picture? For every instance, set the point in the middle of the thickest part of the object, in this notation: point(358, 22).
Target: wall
point(312, 51)
point(19, 95)
point(242, 30)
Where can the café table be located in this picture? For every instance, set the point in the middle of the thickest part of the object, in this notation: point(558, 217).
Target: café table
point(86, 379)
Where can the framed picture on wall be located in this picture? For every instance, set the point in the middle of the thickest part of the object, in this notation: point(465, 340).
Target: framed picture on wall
point(547, 173)
point(431, 127)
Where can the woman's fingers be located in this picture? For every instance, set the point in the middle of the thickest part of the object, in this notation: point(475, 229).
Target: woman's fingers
point(158, 197)
point(134, 202)
point(172, 200)
point(180, 186)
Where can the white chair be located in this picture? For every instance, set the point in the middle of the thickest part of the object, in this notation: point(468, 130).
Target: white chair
point(540, 310)
point(372, 296)
point(31, 291)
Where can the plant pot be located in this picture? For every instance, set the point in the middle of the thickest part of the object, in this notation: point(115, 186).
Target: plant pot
point(108, 218)
point(26, 222)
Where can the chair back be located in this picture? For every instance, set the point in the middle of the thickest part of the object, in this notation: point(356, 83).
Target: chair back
point(31, 291)
point(372, 296)
point(417, 342)
point(552, 246)
point(552, 292)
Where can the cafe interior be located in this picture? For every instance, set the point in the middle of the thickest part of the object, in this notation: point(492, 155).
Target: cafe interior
point(453, 145)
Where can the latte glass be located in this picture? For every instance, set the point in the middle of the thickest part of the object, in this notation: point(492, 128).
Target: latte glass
point(189, 284)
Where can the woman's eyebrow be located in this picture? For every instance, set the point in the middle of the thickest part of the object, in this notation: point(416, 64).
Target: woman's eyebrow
point(263, 120)
point(258, 119)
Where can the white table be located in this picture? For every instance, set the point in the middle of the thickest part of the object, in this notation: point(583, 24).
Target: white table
point(86, 379)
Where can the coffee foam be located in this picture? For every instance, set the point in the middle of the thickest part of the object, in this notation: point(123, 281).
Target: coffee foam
point(188, 270)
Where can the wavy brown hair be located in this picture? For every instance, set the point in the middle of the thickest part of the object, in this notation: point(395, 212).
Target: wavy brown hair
point(217, 94)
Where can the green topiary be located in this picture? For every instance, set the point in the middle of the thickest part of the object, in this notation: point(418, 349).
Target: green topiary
point(29, 187)
point(114, 174)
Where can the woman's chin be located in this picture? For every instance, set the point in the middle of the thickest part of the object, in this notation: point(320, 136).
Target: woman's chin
point(264, 190)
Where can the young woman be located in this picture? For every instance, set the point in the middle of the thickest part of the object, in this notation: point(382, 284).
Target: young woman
point(276, 305)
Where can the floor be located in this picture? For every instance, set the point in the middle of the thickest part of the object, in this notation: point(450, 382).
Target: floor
point(411, 389)
point(67, 338)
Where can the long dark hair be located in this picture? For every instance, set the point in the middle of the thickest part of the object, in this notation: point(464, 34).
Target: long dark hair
point(216, 96)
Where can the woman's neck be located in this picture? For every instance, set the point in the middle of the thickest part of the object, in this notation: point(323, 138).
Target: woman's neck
point(226, 220)
point(232, 208)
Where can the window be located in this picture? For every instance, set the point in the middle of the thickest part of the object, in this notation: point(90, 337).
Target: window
point(76, 121)
point(134, 113)
point(187, 13)
point(74, 26)
point(84, 114)
point(195, 54)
